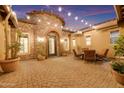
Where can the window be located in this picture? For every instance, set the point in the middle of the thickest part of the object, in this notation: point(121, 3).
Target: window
point(74, 43)
point(113, 36)
point(24, 44)
point(88, 40)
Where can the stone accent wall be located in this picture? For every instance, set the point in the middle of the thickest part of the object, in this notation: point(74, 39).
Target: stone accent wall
point(47, 24)
point(27, 28)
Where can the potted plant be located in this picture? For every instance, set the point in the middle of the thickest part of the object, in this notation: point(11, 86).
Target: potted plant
point(10, 62)
point(118, 64)
point(40, 51)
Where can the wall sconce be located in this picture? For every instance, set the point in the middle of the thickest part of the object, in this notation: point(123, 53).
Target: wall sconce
point(61, 40)
point(40, 39)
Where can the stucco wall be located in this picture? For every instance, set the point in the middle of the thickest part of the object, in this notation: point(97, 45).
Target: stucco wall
point(100, 40)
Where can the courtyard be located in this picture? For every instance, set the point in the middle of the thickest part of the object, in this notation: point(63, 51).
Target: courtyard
point(61, 46)
point(64, 72)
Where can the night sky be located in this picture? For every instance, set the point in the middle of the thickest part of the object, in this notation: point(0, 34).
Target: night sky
point(92, 14)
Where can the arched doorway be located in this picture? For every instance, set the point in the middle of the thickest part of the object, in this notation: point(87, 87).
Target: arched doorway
point(53, 43)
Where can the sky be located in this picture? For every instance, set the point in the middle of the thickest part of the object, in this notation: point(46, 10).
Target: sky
point(90, 14)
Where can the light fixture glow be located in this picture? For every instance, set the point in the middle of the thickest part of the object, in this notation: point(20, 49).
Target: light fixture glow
point(48, 23)
point(69, 13)
point(61, 40)
point(82, 20)
point(40, 39)
point(13, 13)
point(93, 27)
point(90, 25)
point(59, 9)
point(55, 25)
point(76, 18)
point(28, 17)
point(86, 23)
point(79, 32)
point(61, 27)
point(67, 28)
point(39, 20)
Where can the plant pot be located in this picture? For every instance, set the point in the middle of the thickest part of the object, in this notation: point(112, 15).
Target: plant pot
point(118, 77)
point(41, 57)
point(9, 65)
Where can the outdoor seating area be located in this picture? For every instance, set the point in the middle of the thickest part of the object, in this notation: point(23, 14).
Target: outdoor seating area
point(55, 46)
point(91, 55)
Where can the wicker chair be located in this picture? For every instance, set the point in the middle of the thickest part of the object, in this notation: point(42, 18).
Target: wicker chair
point(90, 55)
point(77, 55)
point(102, 57)
point(85, 49)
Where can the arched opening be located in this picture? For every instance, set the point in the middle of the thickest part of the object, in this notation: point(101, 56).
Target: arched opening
point(53, 47)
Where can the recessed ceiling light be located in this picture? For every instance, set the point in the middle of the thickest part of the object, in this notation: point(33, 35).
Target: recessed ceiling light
point(69, 13)
point(86, 23)
point(82, 20)
point(59, 9)
point(76, 18)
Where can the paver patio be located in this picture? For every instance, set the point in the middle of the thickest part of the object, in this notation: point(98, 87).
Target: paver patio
point(60, 72)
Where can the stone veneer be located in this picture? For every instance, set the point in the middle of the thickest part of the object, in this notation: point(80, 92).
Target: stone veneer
point(42, 29)
point(27, 28)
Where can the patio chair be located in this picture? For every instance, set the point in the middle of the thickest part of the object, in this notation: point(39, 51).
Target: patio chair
point(102, 57)
point(85, 49)
point(77, 55)
point(90, 55)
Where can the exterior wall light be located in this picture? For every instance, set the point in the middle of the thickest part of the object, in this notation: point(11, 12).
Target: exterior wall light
point(55, 25)
point(61, 27)
point(93, 27)
point(28, 17)
point(48, 23)
point(40, 39)
point(39, 20)
point(61, 40)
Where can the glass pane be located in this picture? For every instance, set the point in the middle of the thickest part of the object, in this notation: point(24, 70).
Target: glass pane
point(24, 45)
point(74, 42)
point(88, 40)
point(113, 36)
point(51, 45)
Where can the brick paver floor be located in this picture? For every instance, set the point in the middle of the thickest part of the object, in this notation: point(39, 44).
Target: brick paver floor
point(61, 72)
